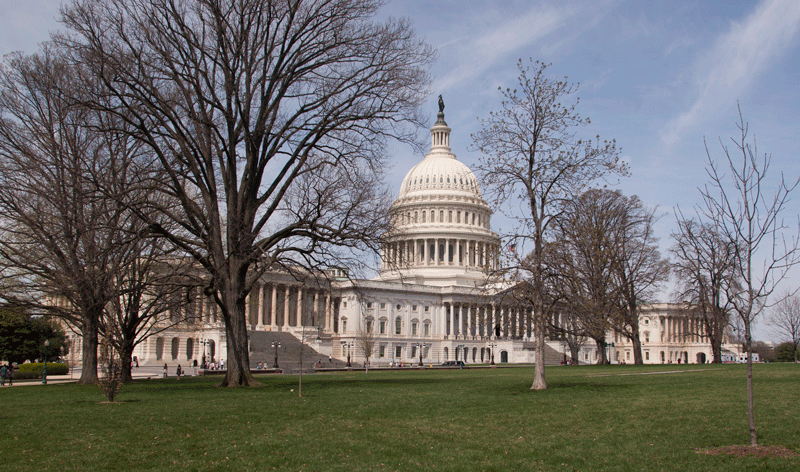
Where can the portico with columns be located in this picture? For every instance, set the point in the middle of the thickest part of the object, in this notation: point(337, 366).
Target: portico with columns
point(430, 297)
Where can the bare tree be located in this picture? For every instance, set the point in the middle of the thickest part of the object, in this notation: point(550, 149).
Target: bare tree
point(704, 264)
point(736, 202)
point(610, 263)
point(60, 241)
point(365, 340)
point(251, 106)
point(583, 262)
point(639, 269)
point(785, 319)
point(152, 294)
point(533, 156)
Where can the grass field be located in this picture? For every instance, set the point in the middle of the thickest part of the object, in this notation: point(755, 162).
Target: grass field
point(590, 418)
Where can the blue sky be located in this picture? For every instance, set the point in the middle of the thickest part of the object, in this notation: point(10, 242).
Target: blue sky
point(656, 76)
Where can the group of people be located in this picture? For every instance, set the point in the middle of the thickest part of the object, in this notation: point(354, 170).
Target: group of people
point(214, 365)
point(7, 373)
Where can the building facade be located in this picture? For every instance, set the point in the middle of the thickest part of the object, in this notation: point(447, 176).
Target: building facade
point(430, 301)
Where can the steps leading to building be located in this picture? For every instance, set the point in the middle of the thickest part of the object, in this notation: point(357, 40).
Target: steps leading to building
point(290, 352)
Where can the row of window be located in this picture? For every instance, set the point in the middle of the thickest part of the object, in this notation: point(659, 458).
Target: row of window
point(398, 326)
point(414, 308)
point(477, 218)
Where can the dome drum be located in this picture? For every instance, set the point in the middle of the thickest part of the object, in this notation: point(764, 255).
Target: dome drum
point(442, 232)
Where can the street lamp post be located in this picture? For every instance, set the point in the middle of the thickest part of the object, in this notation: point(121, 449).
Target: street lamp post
point(492, 346)
point(349, 347)
point(276, 345)
point(463, 355)
point(420, 346)
point(44, 371)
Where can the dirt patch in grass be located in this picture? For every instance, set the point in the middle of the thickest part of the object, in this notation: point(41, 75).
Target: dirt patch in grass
point(757, 451)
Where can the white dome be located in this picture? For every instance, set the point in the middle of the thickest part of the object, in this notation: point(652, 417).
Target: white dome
point(440, 173)
point(441, 233)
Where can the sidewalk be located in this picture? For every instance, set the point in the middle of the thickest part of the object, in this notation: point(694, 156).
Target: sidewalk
point(140, 373)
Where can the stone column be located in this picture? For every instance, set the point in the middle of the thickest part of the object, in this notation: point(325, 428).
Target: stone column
point(299, 318)
point(273, 309)
point(328, 320)
point(315, 311)
point(260, 322)
point(490, 318)
point(286, 306)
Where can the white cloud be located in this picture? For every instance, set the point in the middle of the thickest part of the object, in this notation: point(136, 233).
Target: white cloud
point(480, 52)
point(736, 60)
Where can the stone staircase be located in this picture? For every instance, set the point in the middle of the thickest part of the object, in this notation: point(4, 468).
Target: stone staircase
point(289, 353)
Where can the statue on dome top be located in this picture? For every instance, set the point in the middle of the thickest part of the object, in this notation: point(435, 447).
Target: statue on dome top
point(441, 104)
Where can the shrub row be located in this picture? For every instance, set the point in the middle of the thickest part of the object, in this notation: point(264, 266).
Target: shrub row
point(33, 370)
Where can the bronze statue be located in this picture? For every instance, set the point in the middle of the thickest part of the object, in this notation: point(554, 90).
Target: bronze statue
point(441, 104)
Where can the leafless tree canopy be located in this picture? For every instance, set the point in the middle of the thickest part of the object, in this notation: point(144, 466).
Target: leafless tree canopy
point(270, 118)
point(609, 264)
point(533, 156)
point(639, 270)
point(784, 319)
point(737, 203)
point(60, 241)
point(704, 264)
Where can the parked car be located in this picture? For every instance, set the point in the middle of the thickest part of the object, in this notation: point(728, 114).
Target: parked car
point(453, 364)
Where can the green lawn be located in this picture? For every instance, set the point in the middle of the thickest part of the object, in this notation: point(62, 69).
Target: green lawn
point(591, 418)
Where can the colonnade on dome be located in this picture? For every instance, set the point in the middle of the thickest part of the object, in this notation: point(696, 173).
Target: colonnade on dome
point(440, 252)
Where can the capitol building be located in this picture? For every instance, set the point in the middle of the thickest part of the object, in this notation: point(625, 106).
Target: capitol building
point(430, 301)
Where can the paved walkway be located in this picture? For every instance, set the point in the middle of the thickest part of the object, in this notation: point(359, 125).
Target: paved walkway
point(143, 372)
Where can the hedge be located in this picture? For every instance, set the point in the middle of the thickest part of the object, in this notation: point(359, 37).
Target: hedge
point(33, 370)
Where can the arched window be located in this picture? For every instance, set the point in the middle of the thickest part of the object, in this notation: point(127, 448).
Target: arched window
point(423, 217)
point(159, 348)
point(176, 342)
point(398, 325)
point(189, 349)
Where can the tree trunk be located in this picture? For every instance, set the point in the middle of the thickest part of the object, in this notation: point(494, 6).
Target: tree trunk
point(751, 417)
point(126, 358)
point(716, 348)
point(238, 361)
point(602, 357)
point(574, 353)
point(637, 345)
point(538, 374)
point(89, 330)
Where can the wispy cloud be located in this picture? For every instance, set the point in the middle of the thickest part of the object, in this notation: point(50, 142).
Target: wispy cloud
point(483, 50)
point(736, 60)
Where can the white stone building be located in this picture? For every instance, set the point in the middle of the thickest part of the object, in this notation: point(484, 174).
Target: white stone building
point(429, 300)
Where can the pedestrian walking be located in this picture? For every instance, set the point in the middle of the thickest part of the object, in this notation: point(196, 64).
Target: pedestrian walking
point(179, 371)
point(10, 374)
point(3, 371)
point(165, 370)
